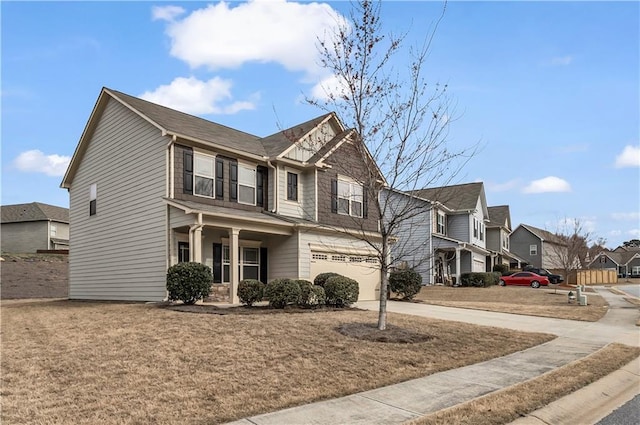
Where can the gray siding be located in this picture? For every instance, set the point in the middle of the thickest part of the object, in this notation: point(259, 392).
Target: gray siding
point(284, 257)
point(519, 242)
point(291, 208)
point(120, 253)
point(413, 234)
point(493, 239)
point(458, 227)
point(25, 237)
point(309, 194)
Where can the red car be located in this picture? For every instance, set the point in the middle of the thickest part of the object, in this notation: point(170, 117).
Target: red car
point(524, 279)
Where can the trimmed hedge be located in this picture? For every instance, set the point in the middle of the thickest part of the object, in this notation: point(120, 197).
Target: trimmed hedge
point(250, 291)
point(341, 291)
point(482, 280)
point(189, 282)
point(503, 269)
point(281, 292)
point(406, 283)
point(311, 295)
point(321, 279)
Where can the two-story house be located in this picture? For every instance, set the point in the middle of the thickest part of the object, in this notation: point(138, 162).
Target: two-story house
point(34, 227)
point(626, 261)
point(446, 234)
point(538, 247)
point(150, 186)
point(498, 240)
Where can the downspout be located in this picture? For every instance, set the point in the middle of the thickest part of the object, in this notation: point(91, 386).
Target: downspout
point(275, 186)
point(170, 167)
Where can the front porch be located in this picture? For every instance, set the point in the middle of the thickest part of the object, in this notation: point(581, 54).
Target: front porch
point(452, 259)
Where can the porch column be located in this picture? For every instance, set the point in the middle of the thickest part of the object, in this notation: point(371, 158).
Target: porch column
point(458, 266)
point(197, 244)
point(234, 275)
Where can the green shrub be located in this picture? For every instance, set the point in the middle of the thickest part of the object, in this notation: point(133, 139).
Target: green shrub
point(310, 295)
point(281, 292)
point(503, 269)
point(250, 291)
point(188, 282)
point(406, 283)
point(341, 291)
point(482, 280)
point(321, 279)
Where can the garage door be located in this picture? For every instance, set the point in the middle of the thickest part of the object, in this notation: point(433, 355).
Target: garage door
point(478, 263)
point(364, 269)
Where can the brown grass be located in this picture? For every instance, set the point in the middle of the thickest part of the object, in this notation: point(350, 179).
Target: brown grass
point(543, 302)
point(113, 363)
point(507, 405)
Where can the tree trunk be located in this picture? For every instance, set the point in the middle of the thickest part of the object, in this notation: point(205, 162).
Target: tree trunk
point(384, 284)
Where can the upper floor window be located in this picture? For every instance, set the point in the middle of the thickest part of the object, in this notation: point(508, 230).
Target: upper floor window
point(246, 185)
point(93, 196)
point(481, 226)
point(533, 249)
point(442, 223)
point(505, 241)
point(292, 186)
point(204, 175)
point(475, 228)
point(54, 230)
point(350, 198)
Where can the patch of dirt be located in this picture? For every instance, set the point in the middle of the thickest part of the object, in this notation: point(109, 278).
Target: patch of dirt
point(34, 276)
point(393, 334)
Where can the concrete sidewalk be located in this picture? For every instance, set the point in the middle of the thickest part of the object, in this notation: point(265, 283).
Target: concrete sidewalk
point(408, 400)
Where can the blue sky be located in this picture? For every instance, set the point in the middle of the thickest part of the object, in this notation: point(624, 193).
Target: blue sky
point(550, 90)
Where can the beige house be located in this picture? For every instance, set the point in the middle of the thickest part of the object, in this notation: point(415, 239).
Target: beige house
point(28, 228)
point(150, 186)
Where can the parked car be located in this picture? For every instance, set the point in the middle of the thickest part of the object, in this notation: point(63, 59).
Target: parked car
point(524, 279)
point(553, 278)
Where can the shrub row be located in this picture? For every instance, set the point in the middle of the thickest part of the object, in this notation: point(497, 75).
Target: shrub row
point(479, 279)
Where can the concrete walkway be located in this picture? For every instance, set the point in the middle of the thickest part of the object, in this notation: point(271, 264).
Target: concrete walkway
point(408, 400)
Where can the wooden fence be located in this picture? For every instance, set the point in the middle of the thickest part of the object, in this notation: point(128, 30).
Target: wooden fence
point(593, 277)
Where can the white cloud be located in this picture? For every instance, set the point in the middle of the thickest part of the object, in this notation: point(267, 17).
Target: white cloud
point(634, 232)
point(630, 157)
point(626, 216)
point(548, 184)
point(562, 60)
point(220, 36)
point(193, 96)
point(329, 86)
point(615, 232)
point(166, 13)
point(35, 161)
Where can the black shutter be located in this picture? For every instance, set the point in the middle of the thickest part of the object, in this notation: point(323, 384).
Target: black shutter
point(219, 178)
point(260, 186)
point(233, 181)
point(263, 265)
point(187, 184)
point(334, 196)
point(365, 201)
point(217, 263)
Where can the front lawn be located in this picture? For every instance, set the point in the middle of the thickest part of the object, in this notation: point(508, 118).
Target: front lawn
point(545, 302)
point(112, 363)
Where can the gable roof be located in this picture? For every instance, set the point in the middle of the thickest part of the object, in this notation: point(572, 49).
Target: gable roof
point(458, 197)
point(620, 258)
point(499, 216)
point(543, 235)
point(279, 142)
point(35, 211)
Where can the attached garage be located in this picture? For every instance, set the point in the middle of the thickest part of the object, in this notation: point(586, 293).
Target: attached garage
point(364, 269)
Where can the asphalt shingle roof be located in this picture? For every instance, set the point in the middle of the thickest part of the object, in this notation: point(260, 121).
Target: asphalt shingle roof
point(35, 211)
point(457, 197)
point(499, 215)
point(278, 142)
point(544, 234)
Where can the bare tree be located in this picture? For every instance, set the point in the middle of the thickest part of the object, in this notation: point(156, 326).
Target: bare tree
point(399, 122)
point(572, 250)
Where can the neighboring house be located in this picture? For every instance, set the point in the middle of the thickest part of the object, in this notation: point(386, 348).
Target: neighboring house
point(446, 235)
point(537, 247)
point(498, 235)
point(626, 262)
point(150, 187)
point(35, 226)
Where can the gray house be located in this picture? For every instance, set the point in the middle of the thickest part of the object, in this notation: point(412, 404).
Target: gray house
point(537, 247)
point(36, 226)
point(498, 236)
point(150, 187)
point(625, 261)
point(446, 232)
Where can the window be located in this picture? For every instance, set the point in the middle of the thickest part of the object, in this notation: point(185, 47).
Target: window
point(204, 175)
point(93, 196)
point(250, 263)
point(475, 228)
point(350, 198)
point(505, 241)
point(442, 223)
point(226, 264)
point(54, 230)
point(183, 252)
point(533, 249)
point(481, 226)
point(635, 270)
point(246, 185)
point(292, 186)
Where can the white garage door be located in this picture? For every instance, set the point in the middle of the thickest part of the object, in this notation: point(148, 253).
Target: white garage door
point(478, 263)
point(364, 269)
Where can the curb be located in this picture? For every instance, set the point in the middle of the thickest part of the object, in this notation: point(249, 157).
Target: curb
point(591, 403)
